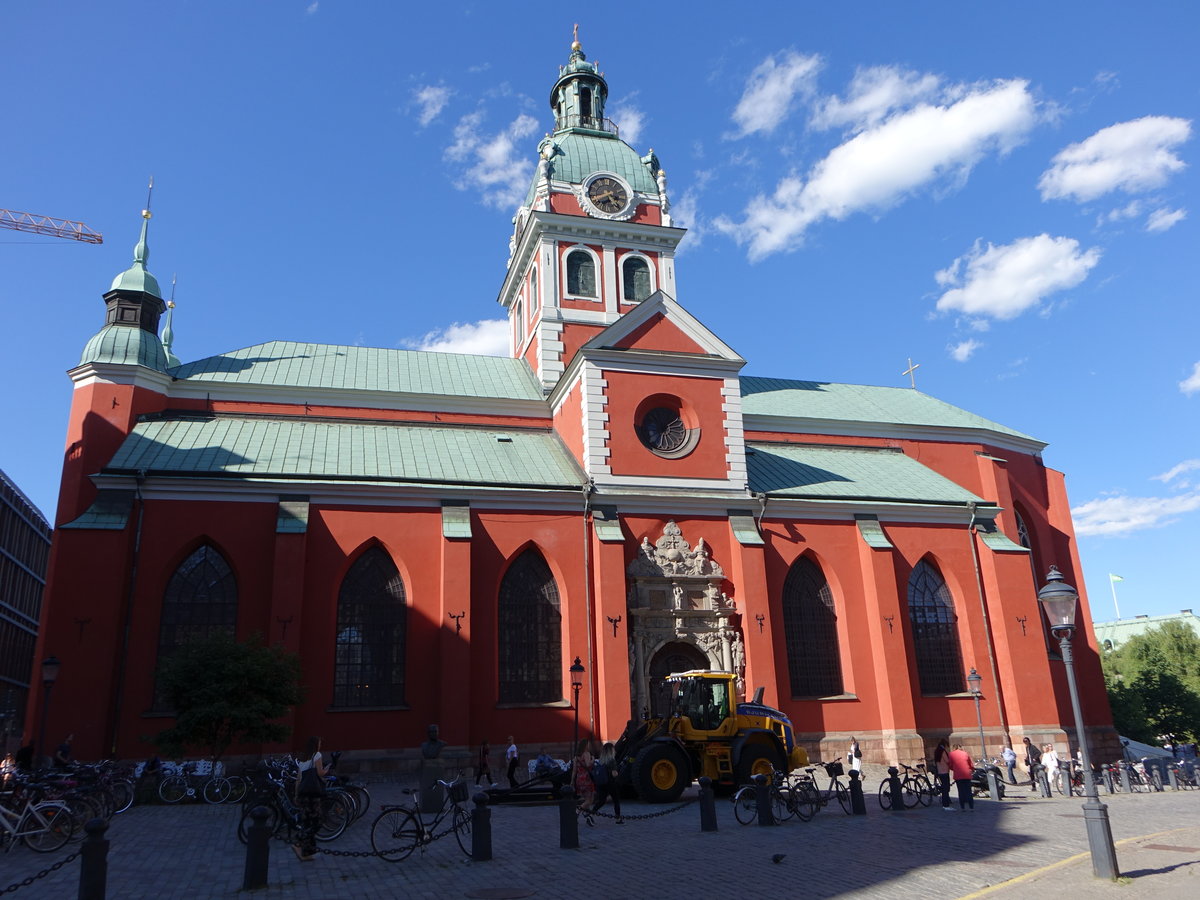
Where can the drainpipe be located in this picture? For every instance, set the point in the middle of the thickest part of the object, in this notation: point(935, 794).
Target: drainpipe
point(587, 599)
point(987, 627)
point(118, 697)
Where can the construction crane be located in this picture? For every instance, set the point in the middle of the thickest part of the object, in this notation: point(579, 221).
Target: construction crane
point(63, 228)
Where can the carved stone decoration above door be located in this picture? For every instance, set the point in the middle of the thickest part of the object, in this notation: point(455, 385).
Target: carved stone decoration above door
point(675, 596)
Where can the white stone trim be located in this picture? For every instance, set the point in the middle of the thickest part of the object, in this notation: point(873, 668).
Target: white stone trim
point(651, 264)
point(112, 373)
point(950, 434)
point(735, 439)
point(594, 410)
point(597, 262)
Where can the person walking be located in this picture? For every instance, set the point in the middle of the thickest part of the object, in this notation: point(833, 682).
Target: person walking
point(310, 788)
point(512, 757)
point(604, 776)
point(1050, 763)
point(941, 766)
point(962, 767)
point(484, 768)
point(1033, 761)
point(1010, 762)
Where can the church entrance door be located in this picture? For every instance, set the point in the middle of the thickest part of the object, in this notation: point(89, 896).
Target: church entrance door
point(676, 656)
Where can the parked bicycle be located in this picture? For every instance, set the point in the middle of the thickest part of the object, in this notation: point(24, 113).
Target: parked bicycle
point(44, 825)
point(787, 795)
point(817, 798)
point(916, 787)
point(284, 818)
point(398, 830)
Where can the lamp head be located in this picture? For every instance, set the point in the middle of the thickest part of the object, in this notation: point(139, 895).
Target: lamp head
point(577, 671)
point(50, 667)
point(975, 680)
point(1059, 600)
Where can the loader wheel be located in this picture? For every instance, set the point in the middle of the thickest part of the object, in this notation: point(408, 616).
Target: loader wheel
point(660, 773)
point(756, 759)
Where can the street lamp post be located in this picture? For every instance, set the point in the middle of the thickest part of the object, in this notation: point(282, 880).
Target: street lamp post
point(577, 671)
point(1059, 601)
point(50, 667)
point(974, 680)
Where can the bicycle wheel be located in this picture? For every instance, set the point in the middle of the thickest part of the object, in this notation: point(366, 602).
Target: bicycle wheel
point(923, 790)
point(745, 805)
point(216, 790)
point(804, 802)
point(244, 823)
point(462, 829)
point(122, 792)
point(237, 788)
point(173, 789)
point(781, 807)
point(362, 798)
point(885, 794)
point(335, 816)
point(57, 831)
point(910, 797)
point(843, 797)
point(395, 834)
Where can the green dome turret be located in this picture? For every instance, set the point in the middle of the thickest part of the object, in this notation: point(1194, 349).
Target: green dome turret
point(579, 95)
point(124, 346)
point(136, 277)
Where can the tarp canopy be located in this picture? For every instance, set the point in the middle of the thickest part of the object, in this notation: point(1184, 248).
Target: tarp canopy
point(1138, 750)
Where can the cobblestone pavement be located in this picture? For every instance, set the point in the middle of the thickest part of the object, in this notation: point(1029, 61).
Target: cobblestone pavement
point(192, 852)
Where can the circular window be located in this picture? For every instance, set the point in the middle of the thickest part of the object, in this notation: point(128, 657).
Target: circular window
point(662, 429)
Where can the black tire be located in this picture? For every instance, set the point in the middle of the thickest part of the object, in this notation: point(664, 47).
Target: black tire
point(122, 792)
point(885, 794)
point(362, 799)
point(923, 789)
point(59, 828)
point(745, 805)
point(216, 790)
point(782, 807)
point(238, 786)
point(660, 773)
point(756, 759)
point(335, 816)
point(843, 798)
point(394, 834)
point(273, 819)
point(173, 788)
point(462, 829)
point(804, 803)
point(910, 793)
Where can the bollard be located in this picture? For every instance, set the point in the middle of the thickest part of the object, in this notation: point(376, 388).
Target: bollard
point(1066, 773)
point(258, 850)
point(762, 795)
point(1125, 785)
point(1156, 779)
point(1171, 778)
point(858, 806)
point(895, 791)
point(481, 829)
point(993, 785)
point(1044, 782)
point(708, 805)
point(93, 869)
point(1108, 781)
point(568, 819)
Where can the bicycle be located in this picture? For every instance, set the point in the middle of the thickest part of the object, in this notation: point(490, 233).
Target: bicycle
point(44, 826)
point(818, 799)
point(398, 830)
point(284, 816)
point(787, 800)
point(912, 790)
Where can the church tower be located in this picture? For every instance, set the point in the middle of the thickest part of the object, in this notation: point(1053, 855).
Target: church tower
point(593, 237)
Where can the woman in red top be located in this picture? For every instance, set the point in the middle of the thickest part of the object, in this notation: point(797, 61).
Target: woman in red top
point(962, 767)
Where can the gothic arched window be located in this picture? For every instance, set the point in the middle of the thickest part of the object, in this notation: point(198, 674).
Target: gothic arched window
point(810, 631)
point(372, 632)
point(635, 278)
point(935, 631)
point(1026, 541)
point(200, 600)
point(529, 631)
point(581, 274)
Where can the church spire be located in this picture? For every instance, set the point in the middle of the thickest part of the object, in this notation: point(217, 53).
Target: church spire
point(136, 277)
point(168, 332)
point(579, 94)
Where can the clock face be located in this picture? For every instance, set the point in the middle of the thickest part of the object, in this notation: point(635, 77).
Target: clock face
point(608, 194)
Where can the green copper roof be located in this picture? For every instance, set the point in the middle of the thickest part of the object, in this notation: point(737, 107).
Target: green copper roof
point(125, 345)
point(858, 403)
point(284, 363)
point(841, 473)
point(333, 451)
point(108, 512)
point(136, 278)
point(580, 155)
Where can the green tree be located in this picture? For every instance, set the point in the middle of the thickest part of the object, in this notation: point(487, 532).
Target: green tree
point(1153, 682)
point(226, 692)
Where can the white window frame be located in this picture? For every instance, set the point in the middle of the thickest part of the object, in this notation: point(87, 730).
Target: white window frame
point(621, 274)
point(596, 262)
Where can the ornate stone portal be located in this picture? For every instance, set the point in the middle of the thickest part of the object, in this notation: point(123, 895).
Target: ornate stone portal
point(676, 605)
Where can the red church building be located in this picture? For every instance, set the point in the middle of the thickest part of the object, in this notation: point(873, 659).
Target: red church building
point(438, 536)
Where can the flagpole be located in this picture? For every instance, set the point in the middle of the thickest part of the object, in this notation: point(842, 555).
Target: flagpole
point(1112, 583)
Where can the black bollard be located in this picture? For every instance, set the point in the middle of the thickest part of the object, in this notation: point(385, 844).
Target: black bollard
point(1171, 778)
point(481, 829)
point(1108, 780)
point(258, 850)
point(93, 869)
point(1125, 785)
point(1067, 773)
point(568, 819)
point(858, 806)
point(895, 790)
point(708, 805)
point(762, 796)
point(1044, 782)
point(993, 785)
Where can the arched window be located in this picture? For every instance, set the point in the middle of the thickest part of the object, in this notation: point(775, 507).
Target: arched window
point(581, 274)
point(810, 630)
point(935, 631)
point(529, 630)
point(200, 600)
point(535, 298)
point(585, 105)
point(1024, 539)
point(635, 278)
point(372, 632)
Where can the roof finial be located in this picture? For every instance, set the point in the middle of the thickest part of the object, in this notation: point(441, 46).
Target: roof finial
point(136, 277)
point(141, 250)
point(168, 332)
point(575, 45)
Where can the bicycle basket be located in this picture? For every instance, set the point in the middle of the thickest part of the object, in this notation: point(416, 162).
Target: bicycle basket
point(834, 769)
point(459, 792)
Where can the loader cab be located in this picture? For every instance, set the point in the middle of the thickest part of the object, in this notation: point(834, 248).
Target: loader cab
point(705, 700)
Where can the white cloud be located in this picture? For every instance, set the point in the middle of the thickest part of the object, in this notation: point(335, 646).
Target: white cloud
point(1131, 210)
point(1003, 282)
point(963, 350)
point(432, 99)
point(1122, 515)
point(873, 94)
point(1162, 219)
point(497, 169)
point(770, 90)
point(1191, 384)
point(1131, 156)
point(311, 9)
point(880, 166)
point(487, 337)
point(630, 121)
point(1175, 471)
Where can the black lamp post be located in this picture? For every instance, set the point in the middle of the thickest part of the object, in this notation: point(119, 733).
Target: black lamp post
point(577, 671)
point(1059, 600)
point(50, 667)
point(975, 680)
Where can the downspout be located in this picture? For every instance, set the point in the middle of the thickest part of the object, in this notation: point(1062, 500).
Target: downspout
point(762, 511)
point(128, 624)
point(987, 627)
point(587, 600)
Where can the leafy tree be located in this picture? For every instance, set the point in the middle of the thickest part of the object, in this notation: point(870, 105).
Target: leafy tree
point(1153, 682)
point(1129, 711)
point(225, 692)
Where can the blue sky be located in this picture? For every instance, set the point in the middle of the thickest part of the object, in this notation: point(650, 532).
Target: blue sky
point(1004, 194)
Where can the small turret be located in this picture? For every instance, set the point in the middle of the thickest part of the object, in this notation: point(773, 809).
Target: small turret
point(579, 95)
